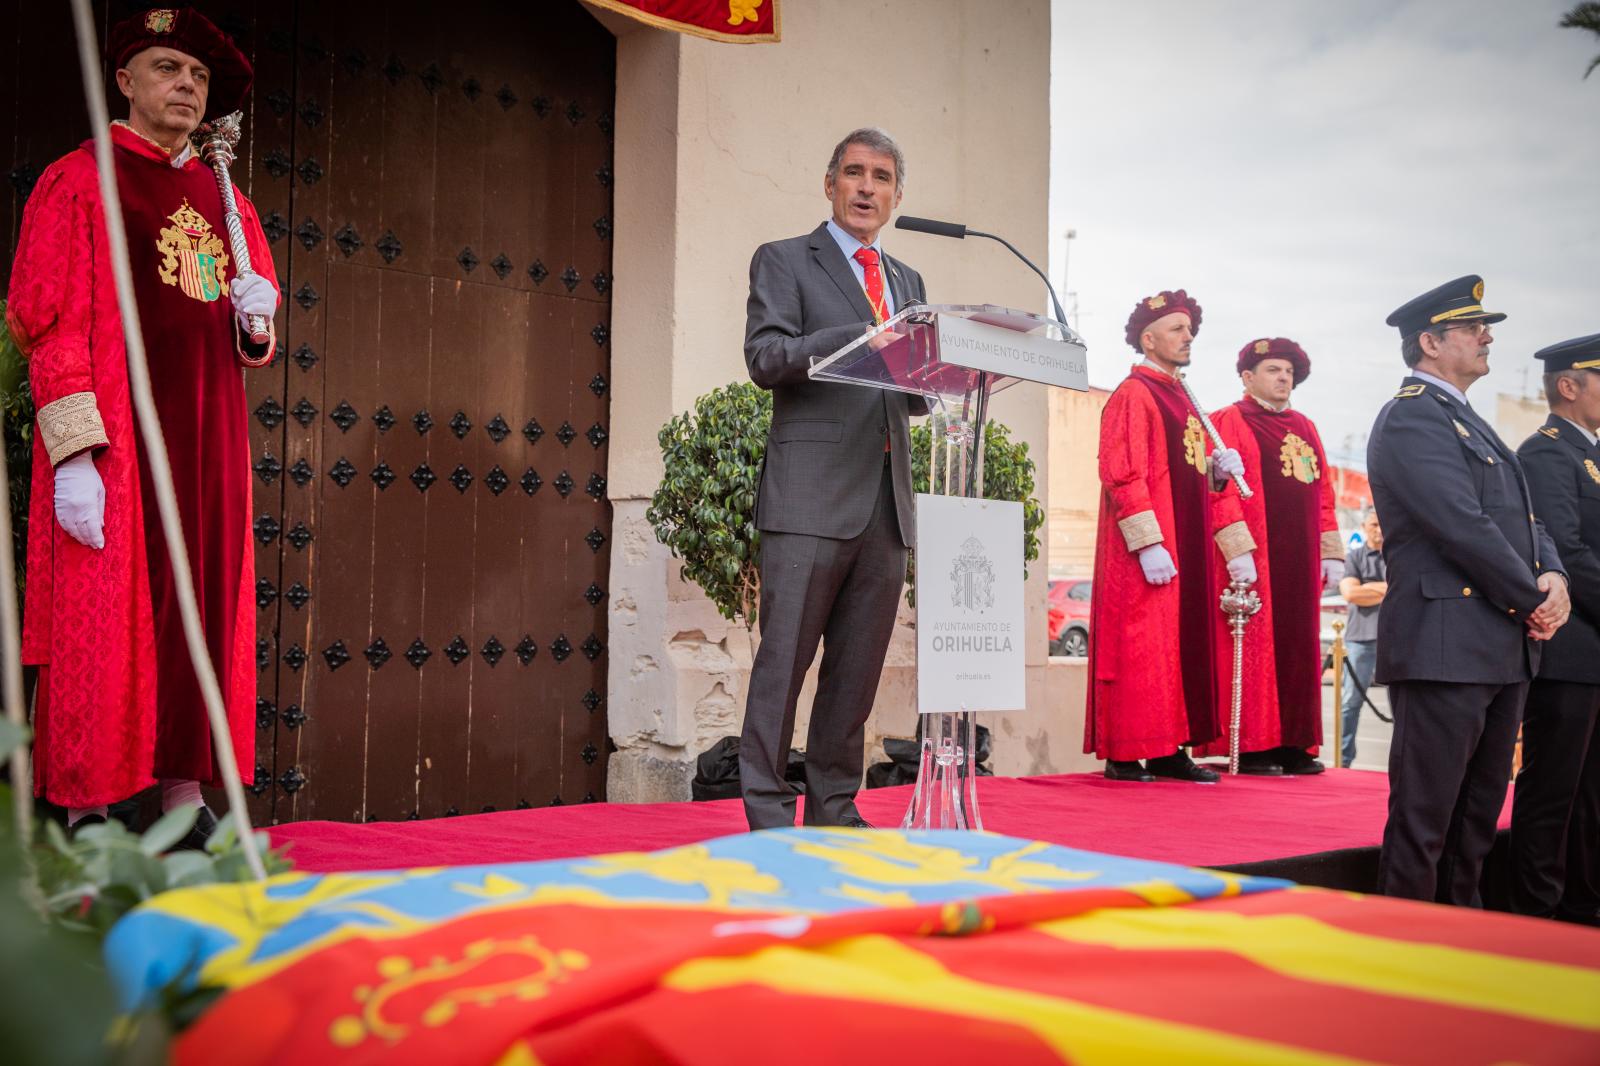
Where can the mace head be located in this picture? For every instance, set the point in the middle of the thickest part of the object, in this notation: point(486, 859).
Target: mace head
point(1239, 601)
point(216, 140)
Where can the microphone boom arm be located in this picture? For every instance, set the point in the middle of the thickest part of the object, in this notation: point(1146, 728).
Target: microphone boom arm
point(1061, 316)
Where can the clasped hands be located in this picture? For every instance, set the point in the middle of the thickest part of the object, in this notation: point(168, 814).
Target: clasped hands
point(1552, 614)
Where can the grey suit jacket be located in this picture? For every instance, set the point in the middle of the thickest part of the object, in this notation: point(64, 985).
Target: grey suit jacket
point(824, 457)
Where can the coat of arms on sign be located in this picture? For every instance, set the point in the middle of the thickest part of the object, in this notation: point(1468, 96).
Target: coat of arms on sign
point(972, 578)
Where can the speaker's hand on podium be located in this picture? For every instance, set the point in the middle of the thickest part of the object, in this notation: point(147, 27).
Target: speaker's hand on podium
point(879, 341)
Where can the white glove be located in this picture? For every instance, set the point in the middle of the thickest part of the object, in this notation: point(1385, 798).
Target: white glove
point(1157, 565)
point(252, 294)
point(81, 500)
point(1226, 461)
point(1243, 568)
point(1332, 573)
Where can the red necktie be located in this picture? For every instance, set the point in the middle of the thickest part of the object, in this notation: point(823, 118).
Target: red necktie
point(868, 258)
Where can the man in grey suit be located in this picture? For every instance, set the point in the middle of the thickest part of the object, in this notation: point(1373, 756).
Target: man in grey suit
point(835, 503)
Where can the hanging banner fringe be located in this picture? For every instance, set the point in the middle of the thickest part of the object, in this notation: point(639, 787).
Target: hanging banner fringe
point(732, 21)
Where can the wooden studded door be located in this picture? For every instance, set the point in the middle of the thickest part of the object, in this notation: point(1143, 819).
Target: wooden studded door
point(430, 450)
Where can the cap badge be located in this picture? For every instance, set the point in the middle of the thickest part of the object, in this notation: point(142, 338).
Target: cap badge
point(1155, 303)
point(1461, 429)
point(1477, 291)
point(1263, 347)
point(160, 20)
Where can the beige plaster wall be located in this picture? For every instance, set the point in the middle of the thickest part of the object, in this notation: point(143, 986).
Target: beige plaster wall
point(721, 148)
point(1074, 479)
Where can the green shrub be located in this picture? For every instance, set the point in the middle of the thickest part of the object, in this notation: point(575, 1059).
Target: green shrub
point(704, 508)
point(16, 402)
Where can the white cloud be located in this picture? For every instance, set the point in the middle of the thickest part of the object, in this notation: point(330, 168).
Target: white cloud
point(1302, 169)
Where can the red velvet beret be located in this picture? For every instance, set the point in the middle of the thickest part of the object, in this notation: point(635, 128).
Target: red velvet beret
point(1275, 348)
point(1160, 305)
point(185, 30)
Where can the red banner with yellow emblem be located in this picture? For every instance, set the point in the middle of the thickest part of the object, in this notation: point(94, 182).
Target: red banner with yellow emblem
point(738, 21)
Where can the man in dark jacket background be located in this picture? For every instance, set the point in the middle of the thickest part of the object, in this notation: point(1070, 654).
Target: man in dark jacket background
point(1474, 588)
point(1555, 821)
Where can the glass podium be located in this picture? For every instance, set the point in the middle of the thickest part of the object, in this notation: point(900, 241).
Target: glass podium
point(956, 356)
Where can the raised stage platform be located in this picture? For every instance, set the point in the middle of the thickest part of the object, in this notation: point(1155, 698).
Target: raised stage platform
point(1322, 830)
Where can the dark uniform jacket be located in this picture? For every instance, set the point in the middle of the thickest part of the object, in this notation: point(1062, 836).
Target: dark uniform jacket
point(1461, 543)
point(824, 458)
point(1563, 471)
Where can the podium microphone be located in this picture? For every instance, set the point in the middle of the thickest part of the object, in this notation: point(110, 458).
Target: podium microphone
point(960, 232)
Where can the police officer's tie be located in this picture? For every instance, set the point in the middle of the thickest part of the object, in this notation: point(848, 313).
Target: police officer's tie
point(868, 258)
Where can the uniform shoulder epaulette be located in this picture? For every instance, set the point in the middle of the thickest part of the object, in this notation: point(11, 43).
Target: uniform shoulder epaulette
point(1550, 431)
point(1408, 391)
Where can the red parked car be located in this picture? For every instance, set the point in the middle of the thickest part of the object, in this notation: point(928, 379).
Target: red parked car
point(1069, 616)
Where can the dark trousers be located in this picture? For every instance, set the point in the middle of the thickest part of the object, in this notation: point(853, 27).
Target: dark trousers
point(845, 594)
point(1555, 819)
point(1449, 765)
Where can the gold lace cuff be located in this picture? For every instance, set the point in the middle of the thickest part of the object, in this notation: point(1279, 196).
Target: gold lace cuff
point(1140, 530)
point(69, 425)
point(1332, 544)
point(1234, 540)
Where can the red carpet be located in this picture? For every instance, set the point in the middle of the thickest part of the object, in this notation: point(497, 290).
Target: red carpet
point(1242, 820)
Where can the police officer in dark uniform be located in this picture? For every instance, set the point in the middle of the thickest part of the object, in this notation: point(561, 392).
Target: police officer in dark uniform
point(1475, 585)
point(1555, 821)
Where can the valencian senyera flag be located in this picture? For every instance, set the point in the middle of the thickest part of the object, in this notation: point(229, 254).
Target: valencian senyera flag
point(738, 21)
point(832, 945)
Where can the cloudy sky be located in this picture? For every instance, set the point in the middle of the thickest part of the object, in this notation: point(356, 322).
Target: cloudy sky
point(1304, 168)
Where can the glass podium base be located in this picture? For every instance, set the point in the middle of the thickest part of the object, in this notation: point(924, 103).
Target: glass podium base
point(946, 793)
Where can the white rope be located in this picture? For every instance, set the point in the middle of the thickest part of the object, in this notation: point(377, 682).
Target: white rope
point(21, 771)
point(150, 429)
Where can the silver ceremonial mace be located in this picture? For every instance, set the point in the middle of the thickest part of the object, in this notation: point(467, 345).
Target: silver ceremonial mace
point(1239, 602)
point(1211, 431)
point(215, 142)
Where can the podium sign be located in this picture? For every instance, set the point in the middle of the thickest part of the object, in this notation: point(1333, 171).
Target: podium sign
point(970, 617)
point(1003, 350)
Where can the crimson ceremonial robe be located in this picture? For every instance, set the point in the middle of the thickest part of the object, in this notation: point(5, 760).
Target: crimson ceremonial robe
point(118, 704)
point(1153, 683)
point(1291, 518)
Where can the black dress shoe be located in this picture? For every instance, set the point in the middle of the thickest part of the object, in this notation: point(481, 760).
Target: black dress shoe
point(84, 822)
point(1261, 763)
point(857, 822)
point(1298, 761)
point(1126, 770)
point(1180, 767)
point(195, 839)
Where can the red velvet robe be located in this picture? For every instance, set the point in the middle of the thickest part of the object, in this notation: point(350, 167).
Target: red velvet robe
point(1291, 518)
point(1153, 684)
point(102, 623)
